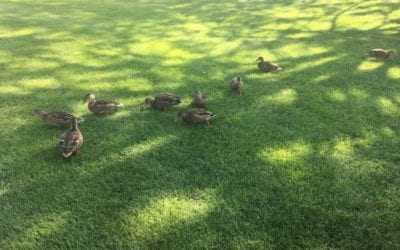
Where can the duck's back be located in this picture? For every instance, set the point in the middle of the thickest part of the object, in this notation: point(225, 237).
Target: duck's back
point(380, 53)
point(165, 100)
point(103, 106)
point(199, 115)
point(58, 118)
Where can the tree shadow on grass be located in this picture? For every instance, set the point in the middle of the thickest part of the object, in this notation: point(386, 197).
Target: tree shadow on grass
point(305, 158)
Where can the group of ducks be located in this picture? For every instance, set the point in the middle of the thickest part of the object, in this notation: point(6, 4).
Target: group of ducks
point(72, 139)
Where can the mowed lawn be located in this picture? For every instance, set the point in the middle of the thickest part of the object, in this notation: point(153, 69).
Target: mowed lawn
point(307, 158)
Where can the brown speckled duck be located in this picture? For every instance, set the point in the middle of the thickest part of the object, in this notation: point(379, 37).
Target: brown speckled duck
point(197, 115)
point(71, 141)
point(267, 66)
point(162, 101)
point(199, 99)
point(380, 53)
point(101, 107)
point(236, 85)
point(55, 118)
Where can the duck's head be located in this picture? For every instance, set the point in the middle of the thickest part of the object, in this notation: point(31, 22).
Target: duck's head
point(89, 98)
point(181, 115)
point(148, 101)
point(391, 52)
point(260, 59)
point(39, 112)
point(197, 94)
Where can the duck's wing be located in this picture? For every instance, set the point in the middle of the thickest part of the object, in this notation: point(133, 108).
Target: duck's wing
point(59, 116)
point(264, 66)
point(169, 95)
point(167, 98)
point(200, 115)
point(200, 111)
point(108, 104)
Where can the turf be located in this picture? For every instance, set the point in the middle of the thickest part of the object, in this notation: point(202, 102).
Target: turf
point(307, 158)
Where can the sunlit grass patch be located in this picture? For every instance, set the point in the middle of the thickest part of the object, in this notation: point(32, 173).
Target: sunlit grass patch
point(161, 214)
point(40, 83)
point(147, 146)
point(41, 229)
point(291, 153)
point(342, 149)
point(389, 132)
point(358, 93)
point(394, 73)
point(387, 106)
point(337, 95)
point(283, 97)
point(312, 64)
point(3, 189)
point(299, 49)
point(369, 65)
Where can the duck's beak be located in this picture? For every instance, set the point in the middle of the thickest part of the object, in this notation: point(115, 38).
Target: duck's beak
point(66, 155)
point(141, 107)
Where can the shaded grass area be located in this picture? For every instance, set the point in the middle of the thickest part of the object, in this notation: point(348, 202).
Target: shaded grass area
point(308, 158)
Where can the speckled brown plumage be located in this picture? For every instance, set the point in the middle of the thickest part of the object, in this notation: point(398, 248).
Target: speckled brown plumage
point(72, 140)
point(197, 115)
point(56, 118)
point(380, 53)
point(162, 101)
point(267, 66)
point(236, 85)
point(199, 99)
point(101, 107)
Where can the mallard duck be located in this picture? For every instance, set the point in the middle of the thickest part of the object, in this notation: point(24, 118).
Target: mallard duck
point(380, 53)
point(199, 99)
point(236, 85)
point(197, 115)
point(161, 102)
point(55, 118)
point(101, 107)
point(71, 140)
point(267, 66)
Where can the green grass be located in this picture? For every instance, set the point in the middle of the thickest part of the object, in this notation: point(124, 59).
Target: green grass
point(308, 158)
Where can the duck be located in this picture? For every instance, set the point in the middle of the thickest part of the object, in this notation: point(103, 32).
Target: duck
point(381, 53)
point(196, 115)
point(267, 66)
point(199, 99)
point(236, 85)
point(161, 102)
point(72, 139)
point(55, 118)
point(101, 107)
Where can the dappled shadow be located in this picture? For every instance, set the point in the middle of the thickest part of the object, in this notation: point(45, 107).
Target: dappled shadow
point(306, 158)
